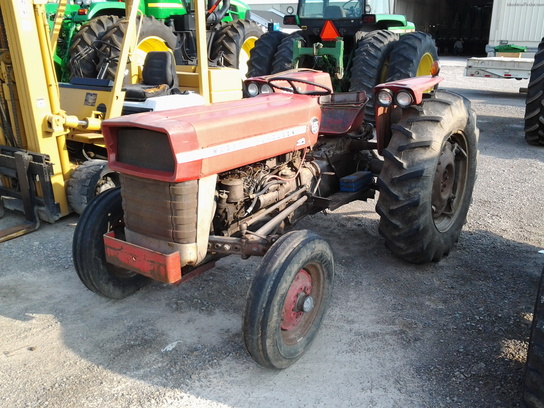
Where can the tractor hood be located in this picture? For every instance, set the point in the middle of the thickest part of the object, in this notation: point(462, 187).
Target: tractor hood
point(190, 143)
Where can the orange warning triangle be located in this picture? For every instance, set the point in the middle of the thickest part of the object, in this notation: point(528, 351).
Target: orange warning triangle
point(329, 32)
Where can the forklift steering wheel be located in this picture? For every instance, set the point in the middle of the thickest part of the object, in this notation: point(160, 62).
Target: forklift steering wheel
point(295, 90)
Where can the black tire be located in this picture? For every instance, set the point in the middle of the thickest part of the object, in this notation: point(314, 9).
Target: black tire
point(534, 105)
point(83, 51)
point(370, 65)
point(89, 179)
point(276, 331)
point(102, 215)
point(154, 35)
point(427, 178)
point(283, 59)
point(262, 55)
point(233, 43)
point(412, 56)
point(533, 392)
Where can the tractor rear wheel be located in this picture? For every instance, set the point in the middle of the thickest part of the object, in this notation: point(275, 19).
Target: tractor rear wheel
point(427, 178)
point(262, 55)
point(153, 36)
point(288, 299)
point(370, 65)
point(103, 214)
point(89, 179)
point(233, 43)
point(412, 56)
point(83, 51)
point(283, 59)
point(534, 105)
point(533, 393)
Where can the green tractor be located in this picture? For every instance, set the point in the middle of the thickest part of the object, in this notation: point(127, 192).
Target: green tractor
point(92, 31)
point(357, 41)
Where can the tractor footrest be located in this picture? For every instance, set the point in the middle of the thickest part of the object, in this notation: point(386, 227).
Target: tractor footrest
point(156, 265)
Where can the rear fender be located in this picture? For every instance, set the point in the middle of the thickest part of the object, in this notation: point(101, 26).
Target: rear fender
point(419, 88)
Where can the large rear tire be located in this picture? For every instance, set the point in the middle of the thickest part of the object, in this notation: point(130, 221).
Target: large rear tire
point(103, 214)
point(427, 178)
point(534, 106)
point(233, 43)
point(533, 393)
point(83, 51)
point(412, 56)
point(288, 299)
point(370, 65)
point(283, 59)
point(89, 179)
point(153, 36)
point(262, 55)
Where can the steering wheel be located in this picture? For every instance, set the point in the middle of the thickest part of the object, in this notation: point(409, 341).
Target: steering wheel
point(353, 11)
point(293, 89)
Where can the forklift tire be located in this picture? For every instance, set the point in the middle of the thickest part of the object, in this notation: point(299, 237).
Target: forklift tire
point(533, 387)
point(412, 56)
point(370, 65)
point(288, 299)
point(83, 51)
point(104, 214)
point(283, 59)
point(154, 35)
point(233, 43)
point(534, 105)
point(427, 178)
point(89, 179)
point(262, 55)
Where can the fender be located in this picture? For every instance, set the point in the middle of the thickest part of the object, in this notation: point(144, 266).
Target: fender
point(418, 88)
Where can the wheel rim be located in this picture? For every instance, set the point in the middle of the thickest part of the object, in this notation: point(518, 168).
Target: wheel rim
point(425, 65)
point(450, 181)
point(243, 59)
point(302, 303)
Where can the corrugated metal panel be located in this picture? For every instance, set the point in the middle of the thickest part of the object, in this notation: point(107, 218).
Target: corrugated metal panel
point(520, 22)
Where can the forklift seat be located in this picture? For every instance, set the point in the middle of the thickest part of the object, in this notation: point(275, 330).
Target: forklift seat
point(159, 77)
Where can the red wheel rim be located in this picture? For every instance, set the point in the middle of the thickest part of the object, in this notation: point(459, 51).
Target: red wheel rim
point(292, 313)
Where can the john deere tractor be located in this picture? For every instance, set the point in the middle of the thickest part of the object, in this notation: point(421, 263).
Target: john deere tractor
point(357, 41)
point(92, 31)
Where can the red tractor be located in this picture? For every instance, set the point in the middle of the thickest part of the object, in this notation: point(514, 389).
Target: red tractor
point(204, 182)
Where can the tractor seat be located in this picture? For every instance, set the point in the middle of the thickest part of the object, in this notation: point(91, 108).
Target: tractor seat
point(342, 112)
point(333, 12)
point(159, 78)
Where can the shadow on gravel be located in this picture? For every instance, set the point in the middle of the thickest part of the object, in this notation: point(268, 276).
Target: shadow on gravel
point(459, 326)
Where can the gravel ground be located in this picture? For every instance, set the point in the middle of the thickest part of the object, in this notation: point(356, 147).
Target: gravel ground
point(447, 334)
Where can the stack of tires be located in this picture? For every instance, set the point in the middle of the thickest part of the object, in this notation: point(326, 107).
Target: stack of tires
point(534, 106)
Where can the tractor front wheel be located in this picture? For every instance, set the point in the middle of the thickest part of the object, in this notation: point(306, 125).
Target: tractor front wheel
point(533, 393)
point(288, 299)
point(534, 106)
point(104, 214)
point(412, 56)
point(370, 65)
point(83, 51)
point(154, 35)
point(233, 43)
point(427, 178)
point(262, 55)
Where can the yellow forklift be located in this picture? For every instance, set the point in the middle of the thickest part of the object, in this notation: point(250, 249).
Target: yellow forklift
point(52, 153)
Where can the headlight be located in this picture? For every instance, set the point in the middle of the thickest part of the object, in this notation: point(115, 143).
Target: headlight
point(265, 89)
point(253, 89)
point(385, 97)
point(404, 99)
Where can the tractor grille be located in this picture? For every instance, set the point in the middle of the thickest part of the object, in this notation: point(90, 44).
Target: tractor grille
point(145, 149)
point(165, 211)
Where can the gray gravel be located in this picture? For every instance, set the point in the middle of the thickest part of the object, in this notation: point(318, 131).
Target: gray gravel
point(448, 334)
